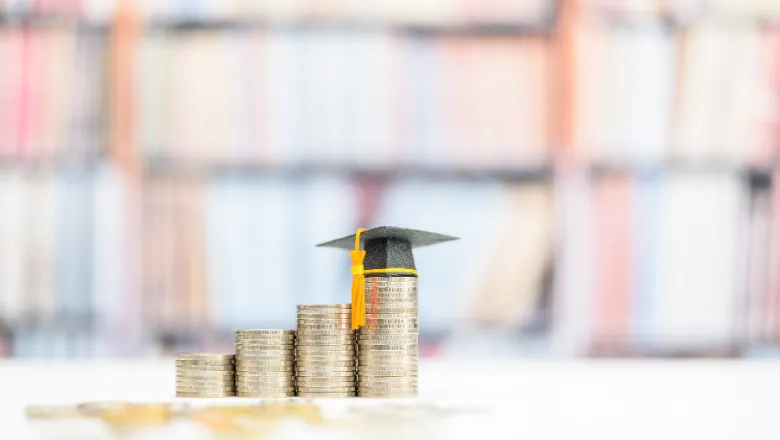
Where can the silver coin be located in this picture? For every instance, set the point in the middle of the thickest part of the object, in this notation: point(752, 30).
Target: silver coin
point(265, 395)
point(373, 325)
point(332, 333)
point(204, 395)
point(323, 316)
point(307, 324)
point(383, 300)
point(326, 374)
point(325, 394)
point(396, 320)
point(371, 279)
point(378, 313)
point(345, 326)
point(265, 332)
point(323, 306)
point(371, 351)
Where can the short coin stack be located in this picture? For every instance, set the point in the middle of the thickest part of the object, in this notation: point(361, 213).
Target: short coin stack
point(205, 375)
point(388, 354)
point(326, 351)
point(265, 363)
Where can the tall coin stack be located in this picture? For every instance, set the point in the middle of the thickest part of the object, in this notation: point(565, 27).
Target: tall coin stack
point(326, 351)
point(388, 354)
point(265, 363)
point(205, 375)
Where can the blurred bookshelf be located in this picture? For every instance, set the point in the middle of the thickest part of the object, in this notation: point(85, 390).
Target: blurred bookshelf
point(611, 203)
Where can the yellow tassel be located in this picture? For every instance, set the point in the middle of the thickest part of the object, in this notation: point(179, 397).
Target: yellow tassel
point(358, 284)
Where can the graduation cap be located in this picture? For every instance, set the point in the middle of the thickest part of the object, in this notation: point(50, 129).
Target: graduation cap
point(387, 252)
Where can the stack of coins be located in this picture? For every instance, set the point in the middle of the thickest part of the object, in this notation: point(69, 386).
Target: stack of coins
point(205, 375)
point(388, 354)
point(265, 363)
point(326, 351)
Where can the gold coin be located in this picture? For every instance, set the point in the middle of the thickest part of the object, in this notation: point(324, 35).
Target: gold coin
point(244, 358)
point(265, 332)
point(304, 369)
point(205, 369)
point(388, 338)
point(264, 395)
point(387, 379)
point(204, 395)
point(325, 395)
point(264, 346)
point(304, 363)
point(326, 374)
point(330, 381)
point(266, 390)
point(316, 349)
point(333, 343)
point(205, 357)
point(392, 347)
point(263, 363)
point(305, 390)
point(265, 370)
point(204, 364)
point(204, 374)
point(53, 412)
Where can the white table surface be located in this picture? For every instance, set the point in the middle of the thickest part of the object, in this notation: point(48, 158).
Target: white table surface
point(521, 399)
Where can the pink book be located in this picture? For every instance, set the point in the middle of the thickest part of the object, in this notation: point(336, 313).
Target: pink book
point(27, 91)
point(769, 135)
point(9, 57)
point(613, 278)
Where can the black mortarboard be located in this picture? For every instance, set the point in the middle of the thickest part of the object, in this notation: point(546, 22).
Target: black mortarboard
point(389, 247)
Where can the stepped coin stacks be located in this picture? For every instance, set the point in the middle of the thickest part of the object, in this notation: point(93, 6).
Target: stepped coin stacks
point(265, 363)
point(326, 351)
point(384, 307)
point(205, 375)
